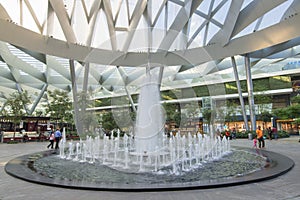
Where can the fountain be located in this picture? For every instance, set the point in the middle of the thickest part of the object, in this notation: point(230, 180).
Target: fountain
point(147, 159)
point(149, 149)
point(177, 152)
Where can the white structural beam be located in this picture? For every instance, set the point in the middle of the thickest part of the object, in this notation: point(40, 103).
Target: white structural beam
point(19, 64)
point(273, 51)
point(50, 20)
point(292, 10)
point(58, 67)
point(278, 33)
point(250, 93)
point(38, 99)
point(247, 16)
point(239, 88)
point(3, 14)
point(224, 35)
point(36, 21)
point(159, 13)
point(5, 75)
point(136, 16)
point(63, 18)
point(180, 21)
point(110, 23)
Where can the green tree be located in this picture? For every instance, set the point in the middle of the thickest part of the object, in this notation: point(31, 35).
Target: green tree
point(265, 116)
point(261, 99)
point(38, 112)
point(207, 117)
point(220, 116)
point(231, 111)
point(295, 99)
point(281, 113)
point(108, 121)
point(59, 107)
point(192, 110)
point(87, 119)
point(290, 112)
point(16, 105)
point(173, 114)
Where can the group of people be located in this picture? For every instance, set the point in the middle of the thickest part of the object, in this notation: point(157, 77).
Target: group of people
point(54, 136)
point(228, 134)
point(260, 137)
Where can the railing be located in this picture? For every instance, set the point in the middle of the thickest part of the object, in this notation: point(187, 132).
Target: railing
point(32, 136)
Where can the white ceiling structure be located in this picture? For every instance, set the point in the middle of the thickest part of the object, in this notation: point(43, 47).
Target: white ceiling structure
point(191, 41)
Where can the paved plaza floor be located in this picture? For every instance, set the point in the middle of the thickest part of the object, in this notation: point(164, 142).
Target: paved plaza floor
point(285, 187)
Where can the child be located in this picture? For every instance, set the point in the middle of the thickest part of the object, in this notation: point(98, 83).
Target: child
point(255, 142)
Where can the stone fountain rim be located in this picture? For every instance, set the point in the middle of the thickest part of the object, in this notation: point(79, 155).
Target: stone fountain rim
point(281, 164)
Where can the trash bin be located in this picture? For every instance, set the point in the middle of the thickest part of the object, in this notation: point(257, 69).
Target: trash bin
point(250, 136)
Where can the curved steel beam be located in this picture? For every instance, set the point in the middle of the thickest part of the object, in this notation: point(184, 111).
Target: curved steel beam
point(276, 34)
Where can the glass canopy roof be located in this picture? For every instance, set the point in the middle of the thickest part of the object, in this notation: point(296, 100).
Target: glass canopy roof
point(192, 41)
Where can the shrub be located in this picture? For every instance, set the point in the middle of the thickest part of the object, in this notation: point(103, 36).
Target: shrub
point(283, 134)
point(12, 142)
point(245, 134)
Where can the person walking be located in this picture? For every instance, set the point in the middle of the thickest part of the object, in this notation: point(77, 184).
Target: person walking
point(255, 142)
point(275, 133)
point(1, 136)
point(51, 140)
point(57, 136)
point(233, 133)
point(270, 133)
point(260, 137)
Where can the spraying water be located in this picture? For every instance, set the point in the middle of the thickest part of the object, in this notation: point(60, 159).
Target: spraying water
point(148, 149)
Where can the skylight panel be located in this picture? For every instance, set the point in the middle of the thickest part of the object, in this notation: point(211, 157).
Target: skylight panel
point(274, 16)
point(140, 39)
point(173, 10)
point(101, 38)
point(155, 5)
point(64, 63)
point(131, 6)
point(249, 29)
point(221, 14)
point(10, 6)
point(3, 65)
point(129, 70)
point(39, 13)
point(115, 6)
point(196, 22)
point(79, 23)
point(204, 6)
point(27, 58)
point(212, 30)
point(122, 20)
point(246, 3)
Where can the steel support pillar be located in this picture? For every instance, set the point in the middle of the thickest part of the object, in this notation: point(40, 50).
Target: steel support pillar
point(238, 84)
point(37, 100)
point(75, 97)
point(250, 93)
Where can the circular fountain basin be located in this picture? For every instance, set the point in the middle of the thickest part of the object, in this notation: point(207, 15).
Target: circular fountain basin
point(242, 166)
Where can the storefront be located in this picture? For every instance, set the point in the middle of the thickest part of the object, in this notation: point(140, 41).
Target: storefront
point(288, 125)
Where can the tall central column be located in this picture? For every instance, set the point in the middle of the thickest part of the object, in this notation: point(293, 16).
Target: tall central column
point(150, 120)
